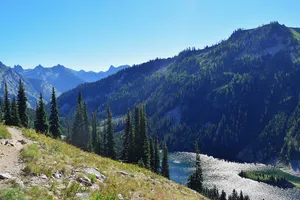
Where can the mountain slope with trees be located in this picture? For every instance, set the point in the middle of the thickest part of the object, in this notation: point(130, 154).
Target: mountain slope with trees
point(239, 98)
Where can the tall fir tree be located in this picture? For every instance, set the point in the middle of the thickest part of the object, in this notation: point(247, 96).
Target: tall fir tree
point(41, 124)
point(14, 113)
point(86, 130)
point(128, 143)
point(195, 180)
point(165, 169)
point(152, 155)
point(77, 128)
point(7, 107)
point(94, 135)
point(104, 140)
point(54, 117)
point(156, 156)
point(111, 152)
point(22, 105)
point(144, 138)
point(1, 108)
point(137, 134)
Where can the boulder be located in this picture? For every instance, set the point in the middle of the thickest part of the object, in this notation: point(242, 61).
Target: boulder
point(5, 176)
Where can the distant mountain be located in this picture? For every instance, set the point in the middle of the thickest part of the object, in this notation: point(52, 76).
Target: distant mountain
point(42, 79)
point(12, 78)
point(240, 99)
point(91, 76)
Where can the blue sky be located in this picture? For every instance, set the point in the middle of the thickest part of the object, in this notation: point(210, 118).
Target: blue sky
point(94, 34)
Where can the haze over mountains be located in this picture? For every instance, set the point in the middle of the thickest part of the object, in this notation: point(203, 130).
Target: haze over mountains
point(42, 79)
point(230, 97)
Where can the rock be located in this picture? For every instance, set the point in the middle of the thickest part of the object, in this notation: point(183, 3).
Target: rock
point(85, 180)
point(83, 195)
point(95, 172)
point(9, 143)
point(5, 176)
point(22, 142)
point(123, 173)
point(43, 176)
point(57, 175)
point(120, 197)
point(20, 184)
point(95, 187)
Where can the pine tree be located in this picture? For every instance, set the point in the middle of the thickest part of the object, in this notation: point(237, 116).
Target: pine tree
point(14, 113)
point(111, 153)
point(126, 138)
point(22, 105)
point(223, 195)
point(165, 170)
point(144, 138)
point(41, 124)
point(77, 129)
point(7, 108)
point(1, 109)
point(152, 155)
point(156, 156)
point(54, 118)
point(86, 131)
point(137, 134)
point(131, 152)
point(195, 180)
point(94, 135)
point(105, 147)
point(234, 195)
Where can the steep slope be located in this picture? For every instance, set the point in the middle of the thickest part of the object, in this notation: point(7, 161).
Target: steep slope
point(55, 170)
point(224, 96)
point(12, 79)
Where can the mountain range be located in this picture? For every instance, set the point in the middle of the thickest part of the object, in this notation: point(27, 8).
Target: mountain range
point(240, 98)
point(42, 79)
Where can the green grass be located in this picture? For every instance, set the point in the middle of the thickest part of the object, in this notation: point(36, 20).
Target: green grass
point(264, 175)
point(295, 34)
point(4, 134)
point(11, 194)
point(49, 155)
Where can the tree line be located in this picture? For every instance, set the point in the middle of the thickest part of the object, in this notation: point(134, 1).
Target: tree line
point(138, 147)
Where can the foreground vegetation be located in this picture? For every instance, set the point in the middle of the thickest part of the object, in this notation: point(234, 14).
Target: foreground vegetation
point(4, 134)
point(49, 156)
point(275, 177)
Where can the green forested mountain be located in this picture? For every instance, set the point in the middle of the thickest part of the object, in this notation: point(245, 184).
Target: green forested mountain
point(240, 99)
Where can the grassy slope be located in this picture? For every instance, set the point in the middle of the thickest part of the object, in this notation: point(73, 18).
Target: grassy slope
point(264, 175)
point(49, 155)
point(4, 134)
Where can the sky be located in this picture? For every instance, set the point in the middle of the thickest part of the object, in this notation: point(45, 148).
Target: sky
point(94, 34)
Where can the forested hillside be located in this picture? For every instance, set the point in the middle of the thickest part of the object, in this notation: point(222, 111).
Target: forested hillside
point(239, 99)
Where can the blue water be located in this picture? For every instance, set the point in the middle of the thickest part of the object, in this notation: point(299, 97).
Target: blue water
point(225, 176)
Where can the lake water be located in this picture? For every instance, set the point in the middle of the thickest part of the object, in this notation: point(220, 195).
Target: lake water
point(225, 176)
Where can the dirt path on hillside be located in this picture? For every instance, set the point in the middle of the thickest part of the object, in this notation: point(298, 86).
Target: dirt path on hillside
point(10, 162)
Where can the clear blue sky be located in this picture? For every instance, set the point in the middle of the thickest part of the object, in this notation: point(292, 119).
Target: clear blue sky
point(94, 34)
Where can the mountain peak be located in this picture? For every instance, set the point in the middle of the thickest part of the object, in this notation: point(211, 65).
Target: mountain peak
point(58, 66)
point(39, 67)
point(18, 68)
point(112, 67)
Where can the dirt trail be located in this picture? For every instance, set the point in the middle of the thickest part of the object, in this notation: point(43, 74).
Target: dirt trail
point(10, 162)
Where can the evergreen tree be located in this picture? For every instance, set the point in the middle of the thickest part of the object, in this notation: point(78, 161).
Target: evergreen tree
point(131, 152)
point(105, 148)
point(111, 153)
point(77, 129)
point(7, 108)
point(156, 156)
point(14, 113)
point(54, 118)
point(137, 134)
point(165, 171)
point(234, 195)
point(126, 138)
point(22, 105)
point(1, 109)
point(94, 135)
point(41, 124)
point(223, 195)
point(195, 180)
point(144, 138)
point(241, 195)
point(152, 155)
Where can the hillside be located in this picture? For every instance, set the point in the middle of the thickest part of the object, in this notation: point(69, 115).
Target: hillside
point(55, 170)
point(238, 98)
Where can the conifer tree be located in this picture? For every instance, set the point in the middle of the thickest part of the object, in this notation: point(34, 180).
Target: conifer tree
point(14, 113)
point(86, 131)
point(77, 129)
point(126, 138)
point(223, 195)
point(111, 153)
point(22, 105)
point(152, 155)
point(137, 134)
point(54, 118)
point(144, 138)
point(156, 156)
point(41, 124)
point(131, 153)
point(1, 109)
point(165, 170)
point(7, 108)
point(195, 180)
point(94, 135)
point(105, 148)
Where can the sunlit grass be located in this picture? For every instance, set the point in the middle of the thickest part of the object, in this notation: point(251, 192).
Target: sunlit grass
point(4, 134)
point(49, 156)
